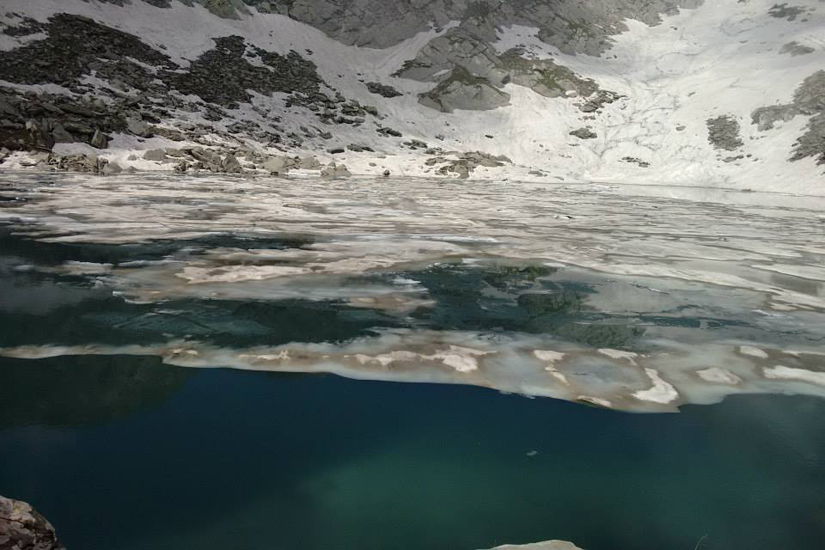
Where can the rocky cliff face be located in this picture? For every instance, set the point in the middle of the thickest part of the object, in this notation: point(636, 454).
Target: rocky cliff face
point(630, 90)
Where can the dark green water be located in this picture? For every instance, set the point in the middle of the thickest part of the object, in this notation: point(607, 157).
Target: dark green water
point(125, 453)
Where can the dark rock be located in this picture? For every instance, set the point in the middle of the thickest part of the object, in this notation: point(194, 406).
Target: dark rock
point(230, 165)
point(784, 11)
point(61, 135)
point(99, 140)
point(335, 171)
point(634, 160)
point(359, 148)
point(723, 133)
point(157, 155)
point(335, 150)
point(383, 90)
point(795, 48)
point(78, 163)
point(415, 144)
point(584, 133)
point(111, 169)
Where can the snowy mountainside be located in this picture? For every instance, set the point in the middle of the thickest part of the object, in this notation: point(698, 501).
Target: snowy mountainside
point(726, 93)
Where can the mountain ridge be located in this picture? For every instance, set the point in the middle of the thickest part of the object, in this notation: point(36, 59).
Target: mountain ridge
point(679, 95)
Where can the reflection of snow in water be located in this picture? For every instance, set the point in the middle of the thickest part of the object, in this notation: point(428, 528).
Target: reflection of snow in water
point(714, 292)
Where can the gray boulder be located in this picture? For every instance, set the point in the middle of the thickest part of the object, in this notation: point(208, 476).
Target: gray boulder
point(22, 528)
point(723, 133)
point(99, 140)
point(335, 171)
point(111, 169)
point(156, 155)
point(278, 166)
point(461, 90)
point(584, 133)
point(230, 165)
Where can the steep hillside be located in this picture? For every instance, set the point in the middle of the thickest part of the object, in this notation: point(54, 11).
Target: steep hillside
point(724, 93)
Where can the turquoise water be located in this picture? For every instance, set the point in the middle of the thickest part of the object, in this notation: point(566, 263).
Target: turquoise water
point(126, 453)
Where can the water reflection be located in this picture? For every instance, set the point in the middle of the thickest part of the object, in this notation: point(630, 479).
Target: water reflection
point(77, 391)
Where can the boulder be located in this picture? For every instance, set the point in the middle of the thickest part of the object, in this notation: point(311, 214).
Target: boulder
point(230, 165)
point(22, 528)
point(309, 163)
point(277, 166)
point(111, 169)
point(157, 155)
point(584, 133)
point(138, 127)
point(335, 171)
point(99, 140)
point(61, 135)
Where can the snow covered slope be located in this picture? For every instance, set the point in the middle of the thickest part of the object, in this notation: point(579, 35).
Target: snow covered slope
point(722, 93)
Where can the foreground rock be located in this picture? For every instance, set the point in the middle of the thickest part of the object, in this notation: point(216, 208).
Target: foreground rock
point(22, 528)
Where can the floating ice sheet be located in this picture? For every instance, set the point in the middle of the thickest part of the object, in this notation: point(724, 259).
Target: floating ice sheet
point(585, 293)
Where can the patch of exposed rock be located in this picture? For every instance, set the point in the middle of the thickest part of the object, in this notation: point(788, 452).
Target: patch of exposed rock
point(784, 11)
point(584, 133)
point(465, 163)
point(384, 90)
point(571, 25)
point(333, 170)
point(145, 91)
point(808, 100)
point(723, 133)
point(795, 48)
point(23, 528)
point(471, 74)
point(281, 165)
point(462, 90)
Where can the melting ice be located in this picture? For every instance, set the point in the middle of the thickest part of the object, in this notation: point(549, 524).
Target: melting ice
point(638, 299)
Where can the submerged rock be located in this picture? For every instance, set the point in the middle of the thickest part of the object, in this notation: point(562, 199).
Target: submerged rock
point(22, 528)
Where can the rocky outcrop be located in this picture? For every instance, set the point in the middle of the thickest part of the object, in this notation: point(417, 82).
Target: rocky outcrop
point(335, 171)
point(723, 133)
point(571, 25)
point(584, 133)
point(383, 90)
point(471, 74)
point(22, 528)
point(465, 163)
point(808, 100)
point(462, 90)
point(144, 88)
point(795, 48)
point(784, 11)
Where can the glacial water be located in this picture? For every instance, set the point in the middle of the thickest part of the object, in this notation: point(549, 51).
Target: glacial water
point(525, 320)
point(126, 453)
